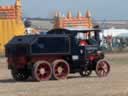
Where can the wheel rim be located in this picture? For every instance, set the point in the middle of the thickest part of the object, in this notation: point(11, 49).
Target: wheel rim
point(42, 71)
point(102, 68)
point(60, 69)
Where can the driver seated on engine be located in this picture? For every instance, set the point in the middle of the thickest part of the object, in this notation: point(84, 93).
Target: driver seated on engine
point(92, 41)
point(81, 39)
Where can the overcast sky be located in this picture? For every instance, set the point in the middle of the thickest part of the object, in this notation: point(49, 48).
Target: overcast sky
point(100, 9)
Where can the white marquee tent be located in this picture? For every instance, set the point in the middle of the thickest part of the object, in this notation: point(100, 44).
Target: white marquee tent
point(115, 32)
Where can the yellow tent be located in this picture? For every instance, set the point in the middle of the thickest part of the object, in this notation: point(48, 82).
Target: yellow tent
point(10, 23)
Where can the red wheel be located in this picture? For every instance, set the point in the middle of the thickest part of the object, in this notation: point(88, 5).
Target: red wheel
point(60, 69)
point(102, 68)
point(42, 71)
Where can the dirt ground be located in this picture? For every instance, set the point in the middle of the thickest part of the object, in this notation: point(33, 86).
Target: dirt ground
point(116, 84)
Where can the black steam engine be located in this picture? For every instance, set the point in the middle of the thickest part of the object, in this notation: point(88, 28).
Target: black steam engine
point(56, 54)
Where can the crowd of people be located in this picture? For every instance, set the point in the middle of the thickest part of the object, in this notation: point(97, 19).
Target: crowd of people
point(110, 43)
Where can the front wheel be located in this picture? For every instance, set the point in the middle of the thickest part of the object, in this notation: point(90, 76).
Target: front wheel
point(102, 68)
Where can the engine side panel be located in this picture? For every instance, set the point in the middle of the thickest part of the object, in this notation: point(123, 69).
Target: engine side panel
point(59, 44)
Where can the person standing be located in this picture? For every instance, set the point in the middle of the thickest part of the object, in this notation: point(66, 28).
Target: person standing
point(28, 29)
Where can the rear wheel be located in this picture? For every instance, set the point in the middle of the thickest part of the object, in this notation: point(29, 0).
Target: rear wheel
point(102, 68)
point(61, 69)
point(20, 74)
point(42, 71)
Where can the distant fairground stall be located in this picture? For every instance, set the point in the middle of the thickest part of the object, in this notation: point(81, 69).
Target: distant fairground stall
point(62, 21)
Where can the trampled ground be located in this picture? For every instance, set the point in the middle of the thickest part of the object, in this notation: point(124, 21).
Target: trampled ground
point(116, 84)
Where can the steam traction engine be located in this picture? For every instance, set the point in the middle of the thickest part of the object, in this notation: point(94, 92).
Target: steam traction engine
point(56, 54)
